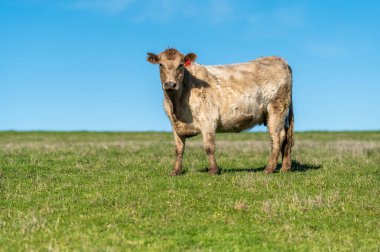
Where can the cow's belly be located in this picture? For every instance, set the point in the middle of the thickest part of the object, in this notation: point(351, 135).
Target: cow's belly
point(241, 112)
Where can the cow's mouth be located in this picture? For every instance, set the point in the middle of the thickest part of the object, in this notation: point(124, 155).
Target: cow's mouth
point(170, 90)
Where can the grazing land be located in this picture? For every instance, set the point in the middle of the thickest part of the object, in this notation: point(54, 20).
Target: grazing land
point(111, 192)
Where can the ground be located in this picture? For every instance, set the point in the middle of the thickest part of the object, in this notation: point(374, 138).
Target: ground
point(111, 192)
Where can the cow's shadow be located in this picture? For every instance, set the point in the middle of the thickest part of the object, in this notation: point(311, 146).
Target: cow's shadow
point(296, 167)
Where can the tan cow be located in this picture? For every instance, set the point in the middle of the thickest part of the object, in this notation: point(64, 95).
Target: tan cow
point(227, 98)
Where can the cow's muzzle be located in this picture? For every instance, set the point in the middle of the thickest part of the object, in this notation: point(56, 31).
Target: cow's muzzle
point(170, 86)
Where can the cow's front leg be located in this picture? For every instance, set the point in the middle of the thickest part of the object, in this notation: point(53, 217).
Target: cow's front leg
point(209, 145)
point(179, 149)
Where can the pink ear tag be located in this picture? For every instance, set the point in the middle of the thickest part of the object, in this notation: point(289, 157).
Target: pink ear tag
point(187, 63)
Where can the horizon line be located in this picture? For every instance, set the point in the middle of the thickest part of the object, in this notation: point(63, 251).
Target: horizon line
point(164, 131)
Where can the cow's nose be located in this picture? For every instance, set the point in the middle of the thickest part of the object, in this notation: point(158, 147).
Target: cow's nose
point(170, 85)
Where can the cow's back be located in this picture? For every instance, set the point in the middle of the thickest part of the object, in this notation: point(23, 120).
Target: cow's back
point(245, 89)
point(259, 72)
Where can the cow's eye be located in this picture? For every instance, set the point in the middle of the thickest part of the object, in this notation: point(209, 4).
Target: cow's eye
point(180, 66)
point(161, 65)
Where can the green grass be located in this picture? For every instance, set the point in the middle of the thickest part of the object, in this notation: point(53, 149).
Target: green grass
point(111, 192)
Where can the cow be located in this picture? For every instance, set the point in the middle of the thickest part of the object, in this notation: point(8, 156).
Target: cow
point(206, 99)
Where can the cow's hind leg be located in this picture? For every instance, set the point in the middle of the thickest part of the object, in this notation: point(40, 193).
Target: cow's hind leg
point(286, 163)
point(179, 149)
point(277, 135)
point(288, 142)
point(209, 145)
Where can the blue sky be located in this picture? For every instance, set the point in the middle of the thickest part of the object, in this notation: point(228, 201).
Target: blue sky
point(80, 64)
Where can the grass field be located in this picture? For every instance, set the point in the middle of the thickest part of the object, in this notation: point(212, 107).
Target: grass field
point(111, 192)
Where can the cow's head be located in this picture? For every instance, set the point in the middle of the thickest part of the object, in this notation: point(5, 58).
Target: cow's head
point(172, 67)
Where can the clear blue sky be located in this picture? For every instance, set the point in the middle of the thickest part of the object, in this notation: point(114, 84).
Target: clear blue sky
point(80, 64)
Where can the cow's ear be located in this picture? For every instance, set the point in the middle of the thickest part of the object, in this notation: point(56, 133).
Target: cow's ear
point(189, 59)
point(152, 58)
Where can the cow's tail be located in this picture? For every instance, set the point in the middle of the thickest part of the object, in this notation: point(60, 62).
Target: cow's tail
point(290, 130)
point(289, 135)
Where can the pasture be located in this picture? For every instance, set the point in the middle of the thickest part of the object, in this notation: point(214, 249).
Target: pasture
point(111, 192)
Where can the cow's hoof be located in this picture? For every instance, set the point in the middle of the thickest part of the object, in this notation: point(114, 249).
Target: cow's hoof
point(175, 173)
point(286, 167)
point(213, 172)
point(268, 170)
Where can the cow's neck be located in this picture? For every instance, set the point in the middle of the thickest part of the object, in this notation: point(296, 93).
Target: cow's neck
point(175, 99)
